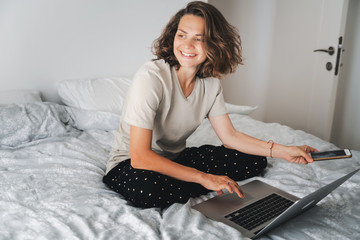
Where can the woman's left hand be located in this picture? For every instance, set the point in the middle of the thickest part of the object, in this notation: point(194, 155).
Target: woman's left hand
point(298, 154)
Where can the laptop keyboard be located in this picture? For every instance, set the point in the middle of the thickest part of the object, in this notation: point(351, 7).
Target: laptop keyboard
point(260, 211)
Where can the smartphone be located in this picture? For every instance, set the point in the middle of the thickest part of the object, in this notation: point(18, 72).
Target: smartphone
point(344, 153)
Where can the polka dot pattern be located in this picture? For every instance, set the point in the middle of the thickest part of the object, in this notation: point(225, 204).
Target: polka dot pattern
point(151, 189)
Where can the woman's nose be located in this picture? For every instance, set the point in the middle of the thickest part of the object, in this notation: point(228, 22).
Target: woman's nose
point(189, 43)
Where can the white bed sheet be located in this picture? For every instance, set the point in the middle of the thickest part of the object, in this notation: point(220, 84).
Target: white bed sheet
point(51, 187)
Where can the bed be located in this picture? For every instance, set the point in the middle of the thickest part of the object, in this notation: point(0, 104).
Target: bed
point(53, 157)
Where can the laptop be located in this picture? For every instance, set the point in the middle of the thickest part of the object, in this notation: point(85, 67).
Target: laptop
point(263, 208)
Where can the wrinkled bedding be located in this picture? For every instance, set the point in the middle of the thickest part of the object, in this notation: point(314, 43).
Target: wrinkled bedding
point(53, 157)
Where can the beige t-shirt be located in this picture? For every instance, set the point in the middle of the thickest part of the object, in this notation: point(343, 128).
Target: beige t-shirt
point(156, 101)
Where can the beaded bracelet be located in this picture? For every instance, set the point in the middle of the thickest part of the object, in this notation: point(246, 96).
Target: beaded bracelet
point(271, 147)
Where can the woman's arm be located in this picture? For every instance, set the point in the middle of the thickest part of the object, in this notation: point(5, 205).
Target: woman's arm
point(233, 139)
point(142, 157)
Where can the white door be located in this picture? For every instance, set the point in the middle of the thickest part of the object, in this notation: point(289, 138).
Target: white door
point(303, 83)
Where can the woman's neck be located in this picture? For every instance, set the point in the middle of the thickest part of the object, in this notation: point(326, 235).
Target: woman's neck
point(187, 80)
point(186, 76)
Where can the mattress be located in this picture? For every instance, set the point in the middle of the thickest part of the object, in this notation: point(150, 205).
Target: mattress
point(53, 157)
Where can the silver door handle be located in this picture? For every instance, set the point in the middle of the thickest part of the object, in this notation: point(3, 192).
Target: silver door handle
point(330, 50)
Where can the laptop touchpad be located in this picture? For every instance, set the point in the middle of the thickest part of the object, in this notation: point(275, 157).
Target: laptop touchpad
point(234, 200)
point(221, 205)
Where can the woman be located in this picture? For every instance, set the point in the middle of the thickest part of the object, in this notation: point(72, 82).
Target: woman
point(149, 164)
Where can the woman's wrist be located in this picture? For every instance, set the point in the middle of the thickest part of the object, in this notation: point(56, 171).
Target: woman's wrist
point(198, 176)
point(277, 150)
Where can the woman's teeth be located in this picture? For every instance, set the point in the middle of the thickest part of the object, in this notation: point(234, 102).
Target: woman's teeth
point(187, 54)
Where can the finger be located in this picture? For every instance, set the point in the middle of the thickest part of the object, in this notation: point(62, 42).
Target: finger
point(307, 158)
point(229, 187)
point(220, 192)
point(300, 160)
point(309, 149)
point(236, 188)
point(238, 191)
point(313, 149)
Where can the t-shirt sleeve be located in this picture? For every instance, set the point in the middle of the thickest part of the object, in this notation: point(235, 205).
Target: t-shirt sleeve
point(218, 107)
point(143, 100)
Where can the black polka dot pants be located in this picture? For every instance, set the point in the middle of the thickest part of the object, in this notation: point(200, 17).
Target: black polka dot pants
point(151, 189)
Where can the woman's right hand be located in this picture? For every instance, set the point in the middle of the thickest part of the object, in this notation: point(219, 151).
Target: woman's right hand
point(218, 183)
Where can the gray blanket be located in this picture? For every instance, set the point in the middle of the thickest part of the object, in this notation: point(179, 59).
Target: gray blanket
point(52, 160)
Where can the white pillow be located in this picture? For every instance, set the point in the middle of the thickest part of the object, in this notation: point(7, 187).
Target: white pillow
point(19, 96)
point(108, 95)
point(239, 109)
point(100, 94)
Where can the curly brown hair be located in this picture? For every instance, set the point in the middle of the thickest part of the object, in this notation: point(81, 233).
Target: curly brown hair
point(221, 38)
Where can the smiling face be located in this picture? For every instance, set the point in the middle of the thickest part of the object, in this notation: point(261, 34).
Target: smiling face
point(189, 42)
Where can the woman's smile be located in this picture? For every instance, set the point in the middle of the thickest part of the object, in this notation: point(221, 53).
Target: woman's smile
point(187, 54)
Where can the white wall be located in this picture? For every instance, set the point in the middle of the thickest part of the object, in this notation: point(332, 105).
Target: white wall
point(44, 41)
point(250, 85)
point(346, 129)
point(254, 20)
